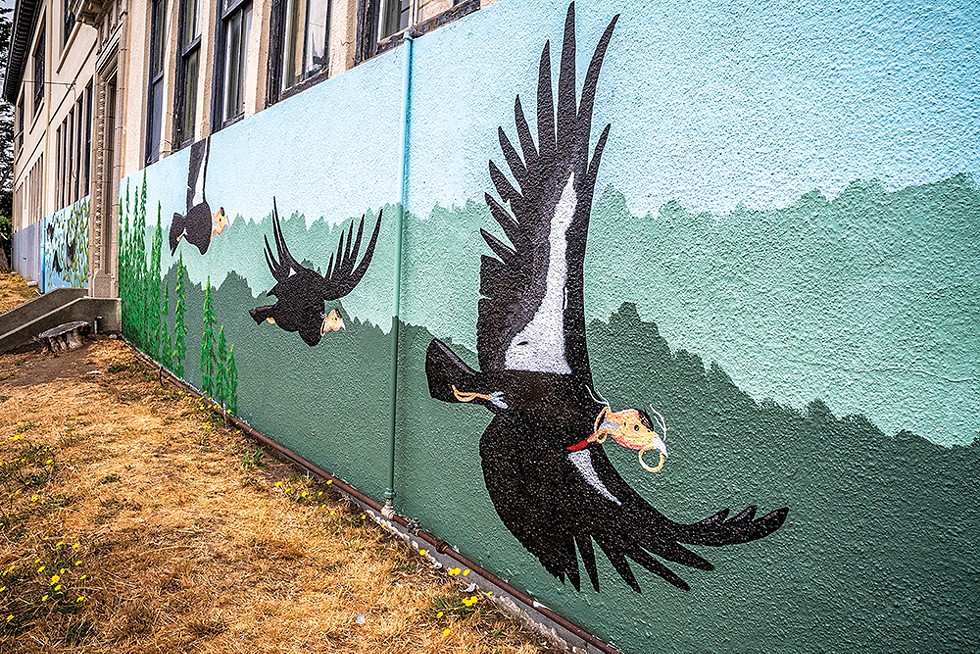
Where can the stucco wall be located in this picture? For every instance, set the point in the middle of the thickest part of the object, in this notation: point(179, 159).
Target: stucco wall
point(781, 260)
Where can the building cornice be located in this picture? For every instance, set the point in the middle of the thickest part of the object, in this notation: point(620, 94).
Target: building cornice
point(22, 31)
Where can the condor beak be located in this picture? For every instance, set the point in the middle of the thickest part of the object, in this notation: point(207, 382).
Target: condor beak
point(332, 322)
point(657, 444)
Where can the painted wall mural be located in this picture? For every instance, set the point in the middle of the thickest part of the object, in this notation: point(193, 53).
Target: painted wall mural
point(65, 247)
point(777, 263)
point(547, 473)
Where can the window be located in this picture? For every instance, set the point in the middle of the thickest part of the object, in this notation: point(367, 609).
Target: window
point(395, 15)
point(300, 47)
point(39, 71)
point(188, 69)
point(20, 122)
point(232, 59)
point(88, 136)
point(69, 21)
point(154, 119)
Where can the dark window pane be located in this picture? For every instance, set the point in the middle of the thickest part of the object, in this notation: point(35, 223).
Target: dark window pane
point(189, 115)
point(192, 21)
point(237, 27)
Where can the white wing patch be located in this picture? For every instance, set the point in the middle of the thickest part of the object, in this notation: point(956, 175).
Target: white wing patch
point(540, 346)
point(201, 174)
point(583, 461)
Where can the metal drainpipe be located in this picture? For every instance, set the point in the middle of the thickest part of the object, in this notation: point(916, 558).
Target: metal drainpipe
point(389, 506)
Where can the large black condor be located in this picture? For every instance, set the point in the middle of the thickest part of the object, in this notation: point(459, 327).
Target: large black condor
point(543, 461)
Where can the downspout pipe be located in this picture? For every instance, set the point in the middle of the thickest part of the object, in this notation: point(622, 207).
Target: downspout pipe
point(389, 497)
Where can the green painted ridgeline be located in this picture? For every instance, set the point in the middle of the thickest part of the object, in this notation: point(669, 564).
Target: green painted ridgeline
point(878, 552)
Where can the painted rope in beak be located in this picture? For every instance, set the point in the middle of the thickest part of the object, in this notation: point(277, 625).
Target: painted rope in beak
point(634, 430)
point(332, 322)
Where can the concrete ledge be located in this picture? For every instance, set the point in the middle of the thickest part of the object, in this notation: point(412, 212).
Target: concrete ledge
point(103, 314)
point(38, 307)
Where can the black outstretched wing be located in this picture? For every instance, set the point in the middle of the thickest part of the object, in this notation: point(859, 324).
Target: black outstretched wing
point(197, 172)
point(281, 264)
point(532, 315)
point(581, 502)
point(343, 272)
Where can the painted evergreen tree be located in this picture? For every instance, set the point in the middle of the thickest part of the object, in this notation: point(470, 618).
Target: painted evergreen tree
point(166, 343)
point(221, 372)
point(231, 382)
point(180, 325)
point(155, 323)
point(208, 358)
point(125, 268)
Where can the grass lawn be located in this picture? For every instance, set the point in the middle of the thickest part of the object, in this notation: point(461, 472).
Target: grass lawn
point(133, 521)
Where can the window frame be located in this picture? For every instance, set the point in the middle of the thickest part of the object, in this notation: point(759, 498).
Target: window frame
point(226, 12)
point(278, 87)
point(157, 22)
point(185, 51)
point(37, 58)
point(69, 22)
point(368, 45)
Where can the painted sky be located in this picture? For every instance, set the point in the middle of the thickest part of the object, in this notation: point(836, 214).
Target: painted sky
point(714, 105)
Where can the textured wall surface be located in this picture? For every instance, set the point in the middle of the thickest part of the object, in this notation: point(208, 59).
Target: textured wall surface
point(26, 251)
point(65, 247)
point(781, 257)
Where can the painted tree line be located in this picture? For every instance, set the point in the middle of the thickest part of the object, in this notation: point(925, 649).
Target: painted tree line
point(146, 306)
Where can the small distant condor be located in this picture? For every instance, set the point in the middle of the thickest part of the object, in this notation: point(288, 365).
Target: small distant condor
point(197, 226)
point(301, 292)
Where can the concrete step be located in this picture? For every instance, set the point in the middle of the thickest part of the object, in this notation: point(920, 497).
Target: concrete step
point(39, 306)
point(101, 313)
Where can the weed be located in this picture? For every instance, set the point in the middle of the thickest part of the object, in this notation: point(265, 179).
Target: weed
point(253, 458)
point(117, 367)
point(109, 479)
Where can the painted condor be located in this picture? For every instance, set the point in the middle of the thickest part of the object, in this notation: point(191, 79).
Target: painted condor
point(543, 461)
point(301, 292)
point(197, 226)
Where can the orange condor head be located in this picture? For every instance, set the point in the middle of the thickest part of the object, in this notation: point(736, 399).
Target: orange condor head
point(219, 221)
point(634, 429)
point(332, 322)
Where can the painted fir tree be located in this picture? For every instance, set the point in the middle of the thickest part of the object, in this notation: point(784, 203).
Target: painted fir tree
point(231, 382)
point(166, 342)
point(155, 323)
point(208, 356)
point(180, 325)
point(221, 358)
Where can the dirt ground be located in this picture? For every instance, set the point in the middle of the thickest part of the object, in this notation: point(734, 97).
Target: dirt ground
point(13, 291)
point(133, 521)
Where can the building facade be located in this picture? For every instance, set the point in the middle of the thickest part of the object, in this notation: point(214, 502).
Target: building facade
point(611, 297)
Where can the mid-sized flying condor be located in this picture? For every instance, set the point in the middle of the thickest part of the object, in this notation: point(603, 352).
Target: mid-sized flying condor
point(197, 226)
point(547, 475)
point(301, 292)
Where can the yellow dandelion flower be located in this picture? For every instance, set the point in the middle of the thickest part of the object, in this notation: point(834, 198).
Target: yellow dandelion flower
point(55, 579)
point(278, 484)
point(363, 517)
point(81, 598)
point(10, 617)
point(466, 572)
point(303, 494)
point(40, 570)
point(489, 593)
point(49, 462)
point(423, 552)
point(453, 572)
point(331, 511)
point(44, 599)
point(78, 563)
point(59, 543)
point(319, 494)
point(35, 498)
point(76, 546)
point(82, 577)
point(2, 588)
point(62, 571)
point(329, 481)
point(58, 587)
point(445, 632)
point(439, 614)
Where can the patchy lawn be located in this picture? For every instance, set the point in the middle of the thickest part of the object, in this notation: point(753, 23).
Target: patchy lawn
point(134, 521)
point(13, 291)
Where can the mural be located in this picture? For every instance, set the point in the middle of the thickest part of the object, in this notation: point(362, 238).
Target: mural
point(548, 476)
point(197, 225)
point(774, 304)
point(301, 292)
point(66, 247)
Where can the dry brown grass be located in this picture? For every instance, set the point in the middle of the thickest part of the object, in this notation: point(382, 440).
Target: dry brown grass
point(13, 291)
point(133, 521)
